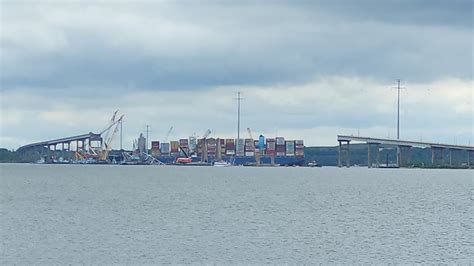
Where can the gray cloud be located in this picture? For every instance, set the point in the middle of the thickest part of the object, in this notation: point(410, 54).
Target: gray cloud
point(185, 45)
point(308, 68)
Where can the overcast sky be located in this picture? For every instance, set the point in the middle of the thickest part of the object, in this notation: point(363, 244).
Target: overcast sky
point(307, 69)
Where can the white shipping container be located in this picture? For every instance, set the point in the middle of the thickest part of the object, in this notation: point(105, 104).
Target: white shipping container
point(249, 153)
point(280, 141)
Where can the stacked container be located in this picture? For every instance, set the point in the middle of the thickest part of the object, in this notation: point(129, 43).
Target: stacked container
point(222, 143)
point(192, 144)
point(290, 147)
point(299, 148)
point(257, 146)
point(249, 147)
point(165, 149)
point(200, 147)
point(240, 147)
point(184, 145)
point(271, 148)
point(155, 148)
point(211, 147)
point(280, 146)
point(230, 147)
point(174, 148)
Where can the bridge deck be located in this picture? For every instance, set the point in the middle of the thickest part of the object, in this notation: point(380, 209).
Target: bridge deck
point(89, 135)
point(404, 143)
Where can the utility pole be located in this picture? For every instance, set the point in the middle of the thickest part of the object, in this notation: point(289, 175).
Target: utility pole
point(121, 134)
point(398, 121)
point(146, 142)
point(239, 98)
point(398, 110)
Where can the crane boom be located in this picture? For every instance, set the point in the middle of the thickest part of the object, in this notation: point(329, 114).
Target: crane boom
point(107, 143)
point(250, 133)
point(208, 132)
point(168, 134)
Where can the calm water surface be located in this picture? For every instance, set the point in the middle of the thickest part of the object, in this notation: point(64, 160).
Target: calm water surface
point(150, 214)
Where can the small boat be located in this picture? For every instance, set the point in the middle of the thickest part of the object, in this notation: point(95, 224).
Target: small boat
point(221, 163)
point(313, 164)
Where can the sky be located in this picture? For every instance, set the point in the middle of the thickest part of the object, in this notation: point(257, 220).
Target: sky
point(307, 69)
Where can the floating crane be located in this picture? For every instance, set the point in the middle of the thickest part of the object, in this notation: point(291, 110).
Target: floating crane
point(111, 131)
point(185, 159)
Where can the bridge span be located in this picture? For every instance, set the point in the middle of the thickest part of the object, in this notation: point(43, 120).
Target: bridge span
point(403, 150)
point(80, 140)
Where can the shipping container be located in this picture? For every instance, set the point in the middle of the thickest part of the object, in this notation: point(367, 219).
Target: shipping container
point(249, 145)
point(165, 148)
point(271, 147)
point(290, 148)
point(155, 145)
point(222, 143)
point(229, 147)
point(184, 143)
point(240, 147)
point(280, 148)
point(192, 144)
point(174, 146)
point(249, 153)
point(280, 141)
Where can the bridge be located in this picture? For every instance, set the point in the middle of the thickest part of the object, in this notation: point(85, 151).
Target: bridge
point(99, 144)
point(403, 150)
point(65, 142)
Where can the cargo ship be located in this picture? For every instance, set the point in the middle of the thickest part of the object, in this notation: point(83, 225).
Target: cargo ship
point(247, 152)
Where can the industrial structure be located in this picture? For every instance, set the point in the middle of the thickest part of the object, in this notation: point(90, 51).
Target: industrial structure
point(85, 148)
point(403, 151)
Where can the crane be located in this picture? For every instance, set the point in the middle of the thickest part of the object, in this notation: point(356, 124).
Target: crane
point(256, 154)
point(250, 133)
point(206, 134)
point(107, 147)
point(168, 134)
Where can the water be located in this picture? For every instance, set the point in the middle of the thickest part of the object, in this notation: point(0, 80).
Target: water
point(150, 214)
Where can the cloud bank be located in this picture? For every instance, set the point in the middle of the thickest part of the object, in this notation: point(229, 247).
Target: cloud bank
point(308, 69)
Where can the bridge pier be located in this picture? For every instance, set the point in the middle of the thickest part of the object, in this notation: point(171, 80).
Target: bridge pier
point(344, 153)
point(437, 156)
point(404, 155)
point(469, 159)
point(377, 154)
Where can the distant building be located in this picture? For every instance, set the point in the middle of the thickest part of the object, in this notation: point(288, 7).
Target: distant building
point(141, 143)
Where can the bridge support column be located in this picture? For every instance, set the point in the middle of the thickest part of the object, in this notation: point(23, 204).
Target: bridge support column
point(437, 156)
point(404, 155)
point(469, 158)
point(344, 153)
point(378, 155)
point(450, 157)
point(370, 146)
